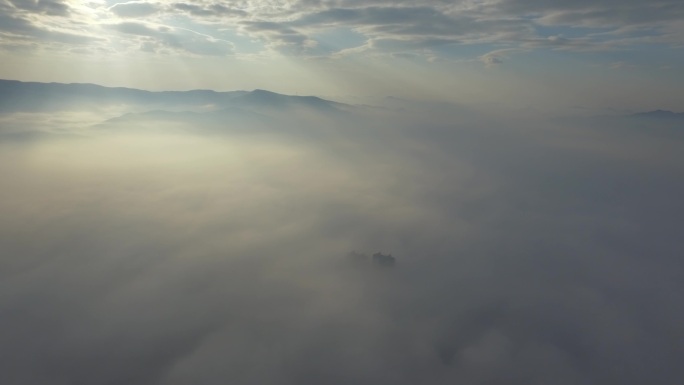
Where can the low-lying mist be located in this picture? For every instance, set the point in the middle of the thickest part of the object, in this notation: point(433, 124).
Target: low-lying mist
point(213, 247)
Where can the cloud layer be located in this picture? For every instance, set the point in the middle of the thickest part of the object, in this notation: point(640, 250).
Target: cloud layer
point(169, 251)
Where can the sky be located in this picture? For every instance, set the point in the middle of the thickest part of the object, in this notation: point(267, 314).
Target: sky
point(606, 54)
point(504, 153)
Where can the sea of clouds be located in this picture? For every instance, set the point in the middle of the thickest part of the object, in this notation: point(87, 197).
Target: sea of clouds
point(212, 248)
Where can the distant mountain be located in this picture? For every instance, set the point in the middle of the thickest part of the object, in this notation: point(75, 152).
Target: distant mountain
point(272, 99)
point(660, 114)
point(32, 96)
point(654, 124)
point(657, 117)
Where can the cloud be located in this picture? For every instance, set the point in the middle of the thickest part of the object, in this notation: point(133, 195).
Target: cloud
point(47, 7)
point(292, 26)
point(279, 35)
point(41, 29)
point(156, 38)
point(139, 9)
point(210, 10)
point(513, 23)
point(596, 14)
point(497, 57)
point(491, 60)
point(18, 29)
point(134, 9)
point(202, 251)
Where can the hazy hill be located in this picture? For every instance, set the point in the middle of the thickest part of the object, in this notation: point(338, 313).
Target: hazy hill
point(32, 96)
point(660, 114)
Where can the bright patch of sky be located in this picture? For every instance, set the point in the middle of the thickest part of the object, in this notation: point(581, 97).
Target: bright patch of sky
point(337, 39)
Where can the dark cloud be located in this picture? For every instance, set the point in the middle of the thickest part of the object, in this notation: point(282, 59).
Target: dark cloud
point(19, 30)
point(415, 27)
point(491, 60)
point(279, 35)
point(513, 22)
point(215, 10)
point(595, 13)
point(47, 7)
point(423, 27)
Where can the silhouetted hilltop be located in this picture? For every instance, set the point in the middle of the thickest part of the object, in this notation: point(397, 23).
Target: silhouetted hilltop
point(33, 96)
point(659, 114)
point(274, 100)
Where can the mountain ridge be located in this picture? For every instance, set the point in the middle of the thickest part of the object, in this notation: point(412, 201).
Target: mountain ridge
point(659, 114)
point(17, 95)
